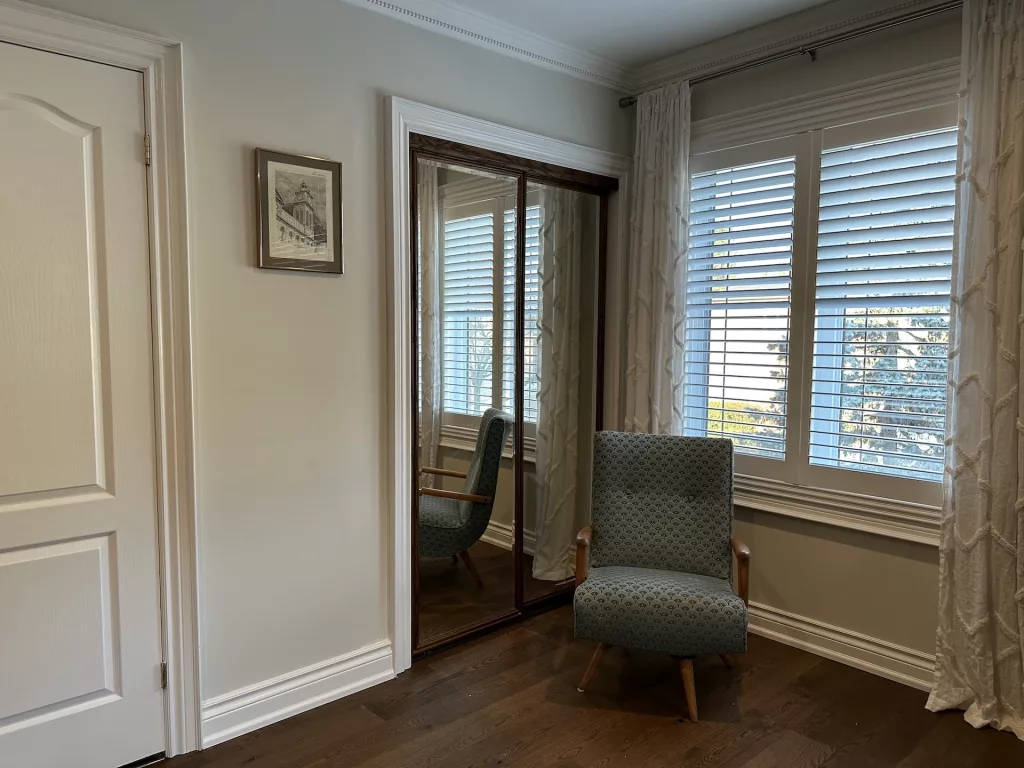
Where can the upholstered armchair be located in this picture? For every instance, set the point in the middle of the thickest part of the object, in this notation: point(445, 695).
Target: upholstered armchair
point(660, 553)
point(452, 521)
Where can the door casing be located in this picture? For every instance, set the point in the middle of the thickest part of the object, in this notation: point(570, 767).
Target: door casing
point(403, 119)
point(160, 63)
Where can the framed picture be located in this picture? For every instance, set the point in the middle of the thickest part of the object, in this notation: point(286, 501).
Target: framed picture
point(300, 212)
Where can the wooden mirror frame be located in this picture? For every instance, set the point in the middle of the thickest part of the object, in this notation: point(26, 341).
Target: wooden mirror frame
point(423, 147)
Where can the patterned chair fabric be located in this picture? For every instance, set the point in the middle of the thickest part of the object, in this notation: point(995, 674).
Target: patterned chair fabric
point(448, 526)
point(662, 502)
point(660, 556)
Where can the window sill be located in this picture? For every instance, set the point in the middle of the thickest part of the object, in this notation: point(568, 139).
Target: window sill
point(893, 519)
point(464, 439)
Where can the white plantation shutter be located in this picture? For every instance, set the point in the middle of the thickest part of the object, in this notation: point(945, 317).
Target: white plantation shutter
point(532, 352)
point(468, 312)
point(881, 320)
point(740, 263)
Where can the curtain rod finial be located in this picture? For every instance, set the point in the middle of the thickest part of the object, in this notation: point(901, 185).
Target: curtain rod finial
point(627, 101)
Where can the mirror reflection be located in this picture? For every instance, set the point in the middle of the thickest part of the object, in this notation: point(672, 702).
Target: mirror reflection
point(562, 242)
point(466, 320)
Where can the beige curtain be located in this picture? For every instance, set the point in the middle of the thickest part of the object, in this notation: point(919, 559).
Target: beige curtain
point(980, 654)
point(657, 259)
point(430, 315)
point(558, 398)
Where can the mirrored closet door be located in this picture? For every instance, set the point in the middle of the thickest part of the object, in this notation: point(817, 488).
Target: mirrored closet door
point(507, 257)
point(466, 309)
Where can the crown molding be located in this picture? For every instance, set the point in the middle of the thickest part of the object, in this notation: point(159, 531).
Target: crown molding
point(466, 25)
point(799, 29)
point(803, 28)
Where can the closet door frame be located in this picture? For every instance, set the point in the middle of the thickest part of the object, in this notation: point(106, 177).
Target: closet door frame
point(524, 171)
point(402, 118)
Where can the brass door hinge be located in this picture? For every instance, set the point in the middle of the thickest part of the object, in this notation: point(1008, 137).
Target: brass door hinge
point(163, 675)
point(147, 145)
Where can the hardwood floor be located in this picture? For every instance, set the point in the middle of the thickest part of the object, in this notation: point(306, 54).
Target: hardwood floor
point(450, 599)
point(510, 699)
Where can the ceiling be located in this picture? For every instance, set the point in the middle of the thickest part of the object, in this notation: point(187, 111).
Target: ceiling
point(631, 33)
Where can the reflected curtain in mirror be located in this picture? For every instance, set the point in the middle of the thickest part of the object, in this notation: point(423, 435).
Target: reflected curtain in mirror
point(429, 277)
point(558, 341)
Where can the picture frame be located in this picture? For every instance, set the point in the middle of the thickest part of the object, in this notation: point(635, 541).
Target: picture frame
point(300, 213)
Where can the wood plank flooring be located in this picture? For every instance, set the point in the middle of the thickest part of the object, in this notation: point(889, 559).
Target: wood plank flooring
point(510, 700)
point(450, 599)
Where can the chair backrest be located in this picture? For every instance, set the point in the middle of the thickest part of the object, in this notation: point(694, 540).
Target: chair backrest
point(482, 476)
point(664, 502)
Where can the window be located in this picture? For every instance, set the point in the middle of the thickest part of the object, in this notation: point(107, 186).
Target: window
point(823, 356)
point(468, 312)
point(881, 311)
point(479, 354)
point(738, 305)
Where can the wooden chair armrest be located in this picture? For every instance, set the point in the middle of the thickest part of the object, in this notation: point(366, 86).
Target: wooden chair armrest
point(582, 545)
point(443, 472)
point(742, 569)
point(458, 496)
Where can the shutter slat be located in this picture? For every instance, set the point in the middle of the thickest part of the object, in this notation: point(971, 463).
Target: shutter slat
point(781, 198)
point(909, 233)
point(752, 223)
point(762, 185)
point(720, 177)
point(736, 236)
point(762, 247)
point(912, 158)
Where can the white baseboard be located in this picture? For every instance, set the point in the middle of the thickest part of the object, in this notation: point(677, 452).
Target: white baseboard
point(880, 657)
point(500, 535)
point(259, 705)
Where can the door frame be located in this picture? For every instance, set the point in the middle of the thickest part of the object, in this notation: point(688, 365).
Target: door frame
point(403, 118)
point(160, 63)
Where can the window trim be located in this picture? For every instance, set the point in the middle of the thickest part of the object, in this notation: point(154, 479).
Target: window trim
point(807, 118)
point(891, 518)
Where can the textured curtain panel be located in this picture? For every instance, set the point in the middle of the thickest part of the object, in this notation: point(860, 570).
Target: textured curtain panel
point(657, 261)
point(430, 315)
point(980, 656)
point(558, 398)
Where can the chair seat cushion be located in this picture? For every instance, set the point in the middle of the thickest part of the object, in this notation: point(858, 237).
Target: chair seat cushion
point(660, 611)
point(441, 531)
point(438, 512)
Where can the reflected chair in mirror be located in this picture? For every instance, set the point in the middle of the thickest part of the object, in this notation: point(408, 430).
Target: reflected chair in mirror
point(660, 553)
point(452, 521)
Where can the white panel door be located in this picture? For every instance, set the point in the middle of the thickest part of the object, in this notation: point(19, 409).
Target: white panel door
point(79, 588)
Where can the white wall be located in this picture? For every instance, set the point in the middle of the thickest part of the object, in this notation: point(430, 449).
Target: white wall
point(290, 368)
point(874, 586)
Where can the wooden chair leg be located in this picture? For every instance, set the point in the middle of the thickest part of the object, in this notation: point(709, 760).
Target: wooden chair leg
point(728, 659)
point(455, 559)
point(686, 669)
point(464, 554)
point(592, 669)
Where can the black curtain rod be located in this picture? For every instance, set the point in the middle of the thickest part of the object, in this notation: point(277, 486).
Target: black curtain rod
point(812, 48)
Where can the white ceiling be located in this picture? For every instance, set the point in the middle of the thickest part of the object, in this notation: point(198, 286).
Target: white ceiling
point(631, 33)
